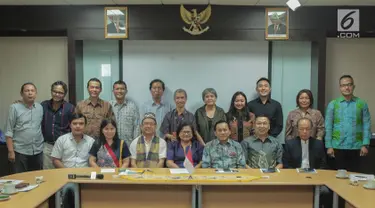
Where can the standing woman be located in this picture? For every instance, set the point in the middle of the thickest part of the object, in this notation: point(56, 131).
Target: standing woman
point(186, 139)
point(305, 102)
point(240, 119)
point(109, 151)
point(207, 115)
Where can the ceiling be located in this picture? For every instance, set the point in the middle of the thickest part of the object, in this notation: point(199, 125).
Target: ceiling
point(213, 2)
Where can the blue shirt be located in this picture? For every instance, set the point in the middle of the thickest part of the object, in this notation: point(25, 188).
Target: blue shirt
point(160, 110)
point(56, 123)
point(24, 127)
point(2, 137)
point(347, 124)
point(176, 153)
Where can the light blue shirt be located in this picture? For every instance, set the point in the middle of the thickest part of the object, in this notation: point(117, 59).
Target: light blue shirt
point(160, 110)
point(347, 124)
point(24, 127)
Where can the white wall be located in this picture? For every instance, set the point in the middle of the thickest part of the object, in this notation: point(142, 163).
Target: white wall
point(356, 58)
point(291, 72)
point(227, 66)
point(38, 60)
point(96, 54)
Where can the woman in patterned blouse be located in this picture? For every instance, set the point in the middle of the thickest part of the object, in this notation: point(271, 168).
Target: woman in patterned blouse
point(305, 102)
point(240, 120)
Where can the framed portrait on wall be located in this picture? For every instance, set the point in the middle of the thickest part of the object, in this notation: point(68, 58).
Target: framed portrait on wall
point(277, 24)
point(116, 22)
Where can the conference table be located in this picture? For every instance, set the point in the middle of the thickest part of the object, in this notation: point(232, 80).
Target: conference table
point(286, 188)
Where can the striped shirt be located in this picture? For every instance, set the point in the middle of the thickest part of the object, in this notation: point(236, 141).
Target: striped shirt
point(347, 124)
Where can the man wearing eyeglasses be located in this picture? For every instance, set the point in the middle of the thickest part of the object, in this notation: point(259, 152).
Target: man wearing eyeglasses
point(348, 123)
point(148, 150)
point(57, 114)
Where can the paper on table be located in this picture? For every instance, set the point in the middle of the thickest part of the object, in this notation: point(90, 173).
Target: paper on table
point(28, 188)
point(15, 182)
point(361, 177)
point(108, 170)
point(178, 171)
point(130, 172)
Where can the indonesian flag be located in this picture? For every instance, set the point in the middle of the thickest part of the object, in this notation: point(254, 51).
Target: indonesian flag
point(188, 163)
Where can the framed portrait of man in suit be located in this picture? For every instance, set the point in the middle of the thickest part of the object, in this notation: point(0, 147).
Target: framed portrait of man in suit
point(116, 22)
point(277, 23)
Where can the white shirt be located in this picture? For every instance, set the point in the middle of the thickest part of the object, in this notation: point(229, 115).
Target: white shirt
point(162, 148)
point(305, 154)
point(71, 153)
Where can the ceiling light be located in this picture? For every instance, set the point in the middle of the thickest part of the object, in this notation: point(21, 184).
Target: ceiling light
point(293, 4)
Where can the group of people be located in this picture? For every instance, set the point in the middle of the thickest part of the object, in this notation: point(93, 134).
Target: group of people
point(98, 133)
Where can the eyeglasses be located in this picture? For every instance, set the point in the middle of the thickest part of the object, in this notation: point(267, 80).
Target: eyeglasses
point(347, 85)
point(157, 88)
point(57, 93)
point(186, 132)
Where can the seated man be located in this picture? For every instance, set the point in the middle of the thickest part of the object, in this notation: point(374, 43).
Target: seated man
point(148, 150)
point(262, 150)
point(223, 152)
point(71, 150)
point(304, 151)
point(307, 152)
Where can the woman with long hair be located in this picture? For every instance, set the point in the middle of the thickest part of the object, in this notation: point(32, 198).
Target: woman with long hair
point(109, 150)
point(240, 119)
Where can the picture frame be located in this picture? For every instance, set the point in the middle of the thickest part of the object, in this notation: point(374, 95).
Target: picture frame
point(277, 24)
point(116, 22)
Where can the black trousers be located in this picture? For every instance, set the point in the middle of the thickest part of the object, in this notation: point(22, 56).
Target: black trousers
point(24, 163)
point(348, 160)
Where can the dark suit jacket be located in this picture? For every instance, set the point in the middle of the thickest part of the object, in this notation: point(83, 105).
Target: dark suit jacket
point(292, 156)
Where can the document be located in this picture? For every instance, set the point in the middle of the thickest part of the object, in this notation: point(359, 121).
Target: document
point(108, 170)
point(269, 170)
point(229, 170)
point(15, 182)
point(28, 188)
point(306, 170)
point(178, 171)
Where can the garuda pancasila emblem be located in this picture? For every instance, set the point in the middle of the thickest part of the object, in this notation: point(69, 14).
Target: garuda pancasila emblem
point(195, 20)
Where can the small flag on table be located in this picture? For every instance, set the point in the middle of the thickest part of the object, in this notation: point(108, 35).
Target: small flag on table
point(188, 163)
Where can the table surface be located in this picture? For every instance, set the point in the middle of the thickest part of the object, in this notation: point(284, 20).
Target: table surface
point(57, 178)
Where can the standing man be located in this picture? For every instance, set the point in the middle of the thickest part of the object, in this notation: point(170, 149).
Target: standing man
point(347, 124)
point(262, 150)
point(94, 108)
point(23, 131)
point(157, 106)
point(223, 152)
point(57, 114)
point(178, 116)
point(264, 105)
point(126, 112)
